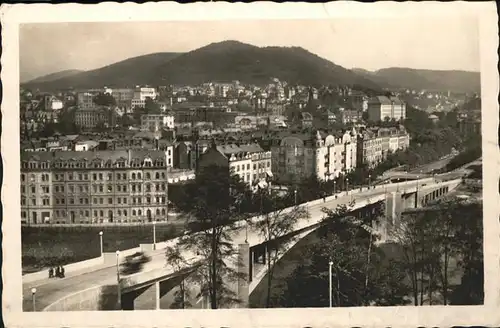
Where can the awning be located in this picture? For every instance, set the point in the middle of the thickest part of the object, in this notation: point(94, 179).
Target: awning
point(269, 174)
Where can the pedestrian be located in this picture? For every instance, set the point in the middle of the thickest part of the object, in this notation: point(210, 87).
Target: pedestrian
point(62, 271)
point(51, 272)
point(58, 273)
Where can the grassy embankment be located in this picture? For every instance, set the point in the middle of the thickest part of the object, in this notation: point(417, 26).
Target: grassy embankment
point(46, 246)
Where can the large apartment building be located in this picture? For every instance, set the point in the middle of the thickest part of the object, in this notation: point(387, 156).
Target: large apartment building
point(382, 107)
point(93, 186)
point(85, 100)
point(374, 145)
point(249, 161)
point(301, 156)
point(91, 117)
point(155, 122)
point(141, 94)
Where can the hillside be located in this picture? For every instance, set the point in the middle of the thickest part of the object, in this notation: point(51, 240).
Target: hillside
point(419, 79)
point(126, 73)
point(230, 60)
point(55, 76)
point(224, 61)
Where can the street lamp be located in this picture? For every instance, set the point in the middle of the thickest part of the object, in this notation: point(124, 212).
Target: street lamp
point(334, 188)
point(295, 196)
point(369, 180)
point(118, 280)
point(154, 235)
point(33, 292)
point(330, 265)
point(100, 237)
point(347, 185)
point(416, 202)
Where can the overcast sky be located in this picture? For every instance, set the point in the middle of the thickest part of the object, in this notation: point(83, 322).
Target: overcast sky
point(442, 44)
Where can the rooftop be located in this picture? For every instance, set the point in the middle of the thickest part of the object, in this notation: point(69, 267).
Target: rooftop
point(104, 155)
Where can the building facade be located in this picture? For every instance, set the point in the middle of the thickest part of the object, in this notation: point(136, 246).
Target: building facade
point(374, 145)
point(141, 94)
point(85, 100)
point(299, 157)
point(381, 108)
point(93, 187)
point(123, 96)
point(155, 122)
point(250, 162)
point(91, 117)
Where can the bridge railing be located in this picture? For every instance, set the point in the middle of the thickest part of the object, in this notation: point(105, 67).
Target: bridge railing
point(164, 272)
point(68, 269)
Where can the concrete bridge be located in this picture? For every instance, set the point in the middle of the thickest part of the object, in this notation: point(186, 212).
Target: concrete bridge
point(96, 288)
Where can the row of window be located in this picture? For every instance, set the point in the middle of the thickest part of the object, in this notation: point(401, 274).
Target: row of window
point(96, 176)
point(260, 165)
point(99, 213)
point(95, 164)
point(33, 202)
point(97, 188)
point(96, 201)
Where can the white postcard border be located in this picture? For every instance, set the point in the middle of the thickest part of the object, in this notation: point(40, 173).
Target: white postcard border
point(12, 16)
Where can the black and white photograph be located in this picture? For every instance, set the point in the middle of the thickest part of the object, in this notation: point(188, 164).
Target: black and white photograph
point(250, 164)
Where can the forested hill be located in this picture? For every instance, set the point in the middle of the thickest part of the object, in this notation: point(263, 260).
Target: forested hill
point(420, 79)
point(217, 62)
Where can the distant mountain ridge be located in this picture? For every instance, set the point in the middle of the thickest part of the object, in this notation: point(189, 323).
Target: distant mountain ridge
point(126, 73)
point(232, 60)
point(55, 76)
point(219, 62)
point(420, 79)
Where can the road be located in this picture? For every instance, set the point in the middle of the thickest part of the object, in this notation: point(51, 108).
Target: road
point(50, 290)
point(428, 168)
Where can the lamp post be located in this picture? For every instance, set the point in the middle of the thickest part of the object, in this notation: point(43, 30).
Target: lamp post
point(369, 181)
point(100, 238)
point(118, 280)
point(334, 187)
point(154, 235)
point(347, 185)
point(33, 292)
point(416, 202)
point(295, 196)
point(330, 265)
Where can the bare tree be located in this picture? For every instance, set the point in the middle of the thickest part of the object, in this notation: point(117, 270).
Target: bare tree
point(183, 295)
point(277, 226)
point(212, 208)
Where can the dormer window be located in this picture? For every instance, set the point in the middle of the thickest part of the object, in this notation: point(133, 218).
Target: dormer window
point(96, 164)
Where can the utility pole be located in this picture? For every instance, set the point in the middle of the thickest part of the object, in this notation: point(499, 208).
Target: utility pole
point(330, 265)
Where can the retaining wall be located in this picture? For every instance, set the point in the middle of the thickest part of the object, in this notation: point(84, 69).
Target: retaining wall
point(99, 298)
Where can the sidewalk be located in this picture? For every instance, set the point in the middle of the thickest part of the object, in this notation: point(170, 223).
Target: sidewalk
point(75, 273)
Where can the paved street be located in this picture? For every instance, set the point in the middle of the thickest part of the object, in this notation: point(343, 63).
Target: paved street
point(51, 290)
